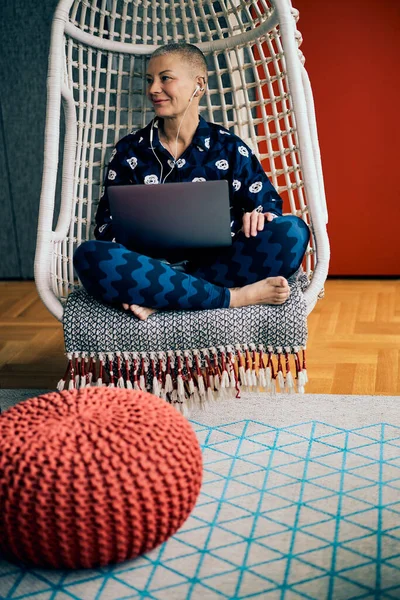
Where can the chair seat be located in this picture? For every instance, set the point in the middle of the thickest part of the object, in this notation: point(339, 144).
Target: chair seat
point(187, 355)
point(90, 326)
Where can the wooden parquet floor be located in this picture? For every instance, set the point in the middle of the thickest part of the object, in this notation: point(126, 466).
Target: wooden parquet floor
point(353, 347)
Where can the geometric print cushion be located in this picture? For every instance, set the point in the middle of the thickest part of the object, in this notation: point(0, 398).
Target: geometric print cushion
point(188, 357)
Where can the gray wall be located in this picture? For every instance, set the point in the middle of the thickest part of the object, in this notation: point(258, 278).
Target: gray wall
point(24, 44)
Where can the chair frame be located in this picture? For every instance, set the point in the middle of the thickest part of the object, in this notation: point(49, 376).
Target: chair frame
point(59, 92)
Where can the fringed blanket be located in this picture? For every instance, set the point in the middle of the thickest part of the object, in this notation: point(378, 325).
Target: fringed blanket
point(188, 357)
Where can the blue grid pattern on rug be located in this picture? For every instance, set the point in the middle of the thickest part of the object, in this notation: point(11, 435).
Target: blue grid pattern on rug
point(306, 511)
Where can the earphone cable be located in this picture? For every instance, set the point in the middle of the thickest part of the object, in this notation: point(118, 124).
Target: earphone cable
point(176, 144)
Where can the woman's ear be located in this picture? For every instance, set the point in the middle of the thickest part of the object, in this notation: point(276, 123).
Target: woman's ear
point(201, 82)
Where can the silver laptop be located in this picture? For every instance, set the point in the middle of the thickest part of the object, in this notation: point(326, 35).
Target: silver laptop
point(171, 216)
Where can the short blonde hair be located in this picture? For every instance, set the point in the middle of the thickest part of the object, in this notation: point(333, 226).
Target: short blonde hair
point(190, 53)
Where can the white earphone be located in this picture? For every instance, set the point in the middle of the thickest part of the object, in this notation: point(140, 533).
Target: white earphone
point(196, 91)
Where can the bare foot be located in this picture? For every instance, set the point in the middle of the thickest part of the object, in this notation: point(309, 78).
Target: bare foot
point(273, 290)
point(142, 312)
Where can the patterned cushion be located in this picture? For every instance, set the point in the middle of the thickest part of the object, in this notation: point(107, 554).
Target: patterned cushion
point(115, 338)
point(91, 326)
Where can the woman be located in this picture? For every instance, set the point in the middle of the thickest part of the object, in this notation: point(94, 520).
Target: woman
point(178, 145)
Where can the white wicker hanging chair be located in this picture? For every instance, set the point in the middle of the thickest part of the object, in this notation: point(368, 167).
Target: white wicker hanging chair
point(257, 87)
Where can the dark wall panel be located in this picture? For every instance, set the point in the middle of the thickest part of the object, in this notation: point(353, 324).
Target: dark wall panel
point(24, 41)
point(10, 266)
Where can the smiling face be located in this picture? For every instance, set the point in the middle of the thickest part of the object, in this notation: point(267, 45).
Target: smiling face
point(171, 82)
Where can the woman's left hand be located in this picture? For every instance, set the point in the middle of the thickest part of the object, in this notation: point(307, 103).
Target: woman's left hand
point(253, 222)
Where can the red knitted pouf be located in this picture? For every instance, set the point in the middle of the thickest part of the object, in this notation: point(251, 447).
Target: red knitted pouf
point(94, 476)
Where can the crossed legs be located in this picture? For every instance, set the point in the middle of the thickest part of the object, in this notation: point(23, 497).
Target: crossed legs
point(251, 271)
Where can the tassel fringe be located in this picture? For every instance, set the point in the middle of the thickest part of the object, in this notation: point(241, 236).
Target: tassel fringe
point(192, 378)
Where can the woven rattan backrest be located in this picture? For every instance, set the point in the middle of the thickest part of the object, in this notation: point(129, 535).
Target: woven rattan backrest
point(107, 44)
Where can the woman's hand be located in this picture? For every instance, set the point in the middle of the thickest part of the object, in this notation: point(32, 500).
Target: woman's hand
point(253, 222)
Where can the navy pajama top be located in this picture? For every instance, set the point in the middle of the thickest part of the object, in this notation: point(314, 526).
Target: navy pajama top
point(214, 154)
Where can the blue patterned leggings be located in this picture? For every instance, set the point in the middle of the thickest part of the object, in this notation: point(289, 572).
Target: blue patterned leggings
point(115, 275)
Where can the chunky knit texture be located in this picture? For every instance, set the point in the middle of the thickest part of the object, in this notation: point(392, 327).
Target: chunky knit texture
point(94, 476)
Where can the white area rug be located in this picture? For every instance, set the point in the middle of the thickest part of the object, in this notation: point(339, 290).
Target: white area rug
point(300, 499)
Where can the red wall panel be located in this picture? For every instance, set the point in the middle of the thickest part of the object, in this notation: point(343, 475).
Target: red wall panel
point(352, 52)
